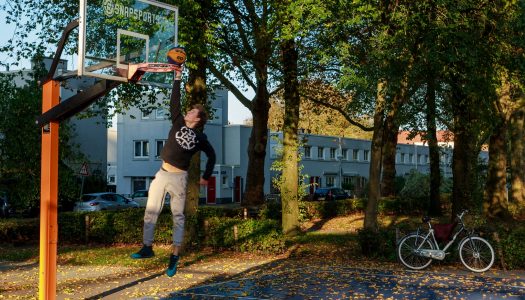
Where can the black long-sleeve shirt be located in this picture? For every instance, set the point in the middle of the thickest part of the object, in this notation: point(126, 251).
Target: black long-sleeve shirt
point(183, 141)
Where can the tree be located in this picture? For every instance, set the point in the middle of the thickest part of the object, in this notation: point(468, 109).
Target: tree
point(244, 46)
point(506, 139)
point(194, 26)
point(20, 141)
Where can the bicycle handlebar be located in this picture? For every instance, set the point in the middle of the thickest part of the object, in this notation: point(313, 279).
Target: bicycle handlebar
point(460, 216)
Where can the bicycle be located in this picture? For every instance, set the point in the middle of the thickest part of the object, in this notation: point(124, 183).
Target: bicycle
point(416, 250)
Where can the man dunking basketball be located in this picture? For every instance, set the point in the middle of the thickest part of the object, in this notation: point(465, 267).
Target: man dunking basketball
point(183, 141)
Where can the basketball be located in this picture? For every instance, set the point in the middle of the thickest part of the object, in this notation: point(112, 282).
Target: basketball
point(176, 56)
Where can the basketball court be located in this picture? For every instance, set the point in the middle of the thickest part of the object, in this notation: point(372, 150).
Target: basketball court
point(332, 282)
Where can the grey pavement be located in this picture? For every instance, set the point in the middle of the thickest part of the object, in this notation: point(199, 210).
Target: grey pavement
point(244, 276)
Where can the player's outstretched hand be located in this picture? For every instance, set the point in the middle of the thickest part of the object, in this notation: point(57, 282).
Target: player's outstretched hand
point(203, 181)
point(178, 72)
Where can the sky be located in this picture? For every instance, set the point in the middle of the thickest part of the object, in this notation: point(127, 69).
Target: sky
point(237, 113)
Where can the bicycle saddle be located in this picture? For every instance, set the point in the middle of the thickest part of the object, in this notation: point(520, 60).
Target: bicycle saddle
point(425, 219)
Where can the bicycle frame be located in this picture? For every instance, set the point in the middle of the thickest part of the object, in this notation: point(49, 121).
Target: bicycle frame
point(438, 253)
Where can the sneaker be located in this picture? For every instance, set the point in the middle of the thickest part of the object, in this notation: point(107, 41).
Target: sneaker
point(172, 267)
point(144, 252)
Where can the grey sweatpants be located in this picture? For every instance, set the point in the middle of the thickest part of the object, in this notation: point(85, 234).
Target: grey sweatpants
point(175, 185)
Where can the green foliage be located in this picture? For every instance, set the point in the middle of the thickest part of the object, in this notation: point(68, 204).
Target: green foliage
point(378, 243)
point(271, 210)
point(245, 235)
point(214, 228)
point(326, 209)
point(20, 144)
point(415, 193)
point(278, 166)
point(17, 231)
point(513, 247)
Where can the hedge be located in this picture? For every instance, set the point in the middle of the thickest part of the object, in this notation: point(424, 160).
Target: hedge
point(216, 227)
point(225, 229)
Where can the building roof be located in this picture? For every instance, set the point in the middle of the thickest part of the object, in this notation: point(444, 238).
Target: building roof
point(443, 137)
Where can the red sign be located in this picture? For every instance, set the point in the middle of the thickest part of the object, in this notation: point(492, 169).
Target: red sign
point(84, 171)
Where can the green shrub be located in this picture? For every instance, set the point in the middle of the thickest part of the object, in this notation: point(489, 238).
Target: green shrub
point(513, 246)
point(19, 230)
point(245, 235)
point(327, 209)
point(271, 210)
point(379, 243)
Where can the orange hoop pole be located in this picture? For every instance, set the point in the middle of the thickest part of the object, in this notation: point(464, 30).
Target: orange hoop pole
point(49, 197)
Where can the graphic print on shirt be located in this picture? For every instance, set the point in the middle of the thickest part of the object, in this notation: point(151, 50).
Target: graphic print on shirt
point(186, 138)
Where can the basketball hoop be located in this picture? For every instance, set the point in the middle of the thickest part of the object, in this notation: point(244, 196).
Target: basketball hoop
point(136, 71)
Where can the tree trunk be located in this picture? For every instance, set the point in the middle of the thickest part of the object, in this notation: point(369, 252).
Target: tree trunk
point(196, 94)
point(495, 204)
point(517, 160)
point(391, 132)
point(464, 156)
point(434, 208)
point(374, 189)
point(290, 175)
point(254, 194)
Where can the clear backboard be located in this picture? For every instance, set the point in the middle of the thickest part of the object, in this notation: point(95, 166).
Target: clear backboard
point(116, 33)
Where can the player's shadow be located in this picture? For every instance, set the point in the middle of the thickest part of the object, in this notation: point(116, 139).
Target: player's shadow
point(125, 286)
point(145, 279)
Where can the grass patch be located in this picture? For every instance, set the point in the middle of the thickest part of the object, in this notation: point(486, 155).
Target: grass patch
point(118, 255)
point(19, 254)
point(316, 238)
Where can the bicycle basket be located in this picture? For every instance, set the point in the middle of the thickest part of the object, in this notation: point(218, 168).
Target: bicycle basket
point(443, 232)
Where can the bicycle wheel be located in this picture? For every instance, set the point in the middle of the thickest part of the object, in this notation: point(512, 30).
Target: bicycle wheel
point(406, 251)
point(476, 254)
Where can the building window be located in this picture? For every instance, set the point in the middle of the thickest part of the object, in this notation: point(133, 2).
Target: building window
point(111, 179)
point(411, 158)
point(330, 181)
point(320, 152)
point(158, 149)
point(138, 183)
point(347, 183)
point(344, 153)
point(161, 113)
point(402, 160)
point(145, 116)
point(427, 158)
point(366, 155)
point(420, 159)
point(307, 152)
point(332, 153)
point(225, 181)
point(355, 154)
point(141, 149)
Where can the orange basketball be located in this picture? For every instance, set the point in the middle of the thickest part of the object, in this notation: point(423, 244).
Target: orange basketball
point(177, 56)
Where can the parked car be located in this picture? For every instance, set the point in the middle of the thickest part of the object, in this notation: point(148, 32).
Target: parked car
point(5, 208)
point(104, 201)
point(330, 194)
point(141, 197)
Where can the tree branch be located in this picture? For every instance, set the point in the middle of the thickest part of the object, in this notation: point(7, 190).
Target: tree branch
point(230, 86)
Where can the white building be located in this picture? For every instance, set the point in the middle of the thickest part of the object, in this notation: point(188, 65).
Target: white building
point(328, 160)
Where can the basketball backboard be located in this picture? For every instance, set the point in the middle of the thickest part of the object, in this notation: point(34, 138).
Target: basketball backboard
point(116, 33)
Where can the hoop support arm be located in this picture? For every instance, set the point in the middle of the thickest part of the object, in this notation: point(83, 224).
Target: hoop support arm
point(76, 103)
point(65, 34)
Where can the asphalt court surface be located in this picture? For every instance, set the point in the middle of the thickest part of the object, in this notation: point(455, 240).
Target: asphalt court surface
point(353, 283)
